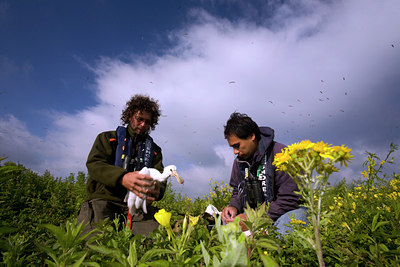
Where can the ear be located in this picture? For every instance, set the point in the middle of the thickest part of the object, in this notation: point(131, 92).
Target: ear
point(253, 137)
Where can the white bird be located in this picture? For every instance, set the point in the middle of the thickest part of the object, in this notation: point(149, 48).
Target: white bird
point(134, 202)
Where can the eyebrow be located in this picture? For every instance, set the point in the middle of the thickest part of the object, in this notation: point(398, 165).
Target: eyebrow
point(235, 145)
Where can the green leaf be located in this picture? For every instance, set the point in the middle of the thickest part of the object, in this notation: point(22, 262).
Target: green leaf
point(206, 256)
point(7, 230)
point(376, 224)
point(250, 213)
point(112, 252)
point(267, 244)
point(236, 255)
point(132, 258)
point(383, 247)
point(193, 260)
point(159, 263)
point(216, 262)
point(94, 264)
point(79, 262)
point(267, 260)
point(261, 210)
point(149, 254)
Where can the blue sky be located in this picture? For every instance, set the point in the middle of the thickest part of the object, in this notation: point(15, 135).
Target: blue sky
point(318, 70)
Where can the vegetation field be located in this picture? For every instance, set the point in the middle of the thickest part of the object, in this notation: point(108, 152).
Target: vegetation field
point(355, 224)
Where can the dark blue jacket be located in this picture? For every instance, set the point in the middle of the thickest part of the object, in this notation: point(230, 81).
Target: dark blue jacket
point(284, 197)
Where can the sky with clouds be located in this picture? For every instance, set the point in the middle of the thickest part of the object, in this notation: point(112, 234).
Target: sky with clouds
point(318, 70)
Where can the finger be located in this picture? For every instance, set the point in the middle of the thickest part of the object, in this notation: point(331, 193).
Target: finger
point(150, 199)
point(144, 177)
point(137, 192)
point(145, 183)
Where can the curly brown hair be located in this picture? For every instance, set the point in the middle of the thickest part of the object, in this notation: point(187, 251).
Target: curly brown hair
point(142, 103)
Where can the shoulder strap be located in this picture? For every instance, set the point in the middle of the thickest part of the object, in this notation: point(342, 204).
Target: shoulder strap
point(267, 174)
point(146, 152)
point(124, 146)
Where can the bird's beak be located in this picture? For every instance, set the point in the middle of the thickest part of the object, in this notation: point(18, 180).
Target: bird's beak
point(178, 178)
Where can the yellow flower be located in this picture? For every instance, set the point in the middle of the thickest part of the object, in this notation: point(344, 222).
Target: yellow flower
point(331, 207)
point(295, 221)
point(365, 174)
point(163, 217)
point(344, 224)
point(382, 162)
point(354, 205)
point(193, 220)
point(320, 147)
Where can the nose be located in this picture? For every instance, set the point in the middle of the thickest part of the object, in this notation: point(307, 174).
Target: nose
point(236, 151)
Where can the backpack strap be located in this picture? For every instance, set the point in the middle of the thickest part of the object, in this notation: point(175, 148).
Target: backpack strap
point(124, 150)
point(124, 146)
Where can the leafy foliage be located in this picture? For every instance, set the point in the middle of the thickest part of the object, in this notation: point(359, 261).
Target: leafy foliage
point(359, 225)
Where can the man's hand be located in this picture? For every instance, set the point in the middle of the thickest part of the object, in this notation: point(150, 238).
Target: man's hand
point(139, 184)
point(228, 214)
point(153, 193)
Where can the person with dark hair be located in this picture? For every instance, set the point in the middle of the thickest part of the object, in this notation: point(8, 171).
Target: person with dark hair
point(254, 179)
point(113, 166)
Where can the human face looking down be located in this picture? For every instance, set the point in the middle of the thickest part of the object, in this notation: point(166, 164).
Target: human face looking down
point(243, 148)
point(140, 122)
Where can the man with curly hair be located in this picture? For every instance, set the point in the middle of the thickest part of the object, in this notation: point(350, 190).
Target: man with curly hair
point(114, 163)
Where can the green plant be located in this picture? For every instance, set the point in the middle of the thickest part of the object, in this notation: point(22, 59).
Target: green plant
point(67, 250)
point(301, 161)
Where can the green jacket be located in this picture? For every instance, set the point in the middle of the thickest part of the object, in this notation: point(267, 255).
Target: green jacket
point(104, 176)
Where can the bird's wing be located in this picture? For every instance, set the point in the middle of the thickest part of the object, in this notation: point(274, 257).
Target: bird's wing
point(145, 171)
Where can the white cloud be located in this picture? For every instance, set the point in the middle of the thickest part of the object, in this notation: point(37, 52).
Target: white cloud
point(17, 144)
point(328, 73)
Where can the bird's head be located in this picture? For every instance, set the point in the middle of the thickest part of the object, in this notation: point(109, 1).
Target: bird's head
point(171, 169)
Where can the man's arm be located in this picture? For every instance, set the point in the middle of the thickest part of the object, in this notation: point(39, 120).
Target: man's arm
point(101, 168)
point(285, 198)
point(234, 207)
point(100, 162)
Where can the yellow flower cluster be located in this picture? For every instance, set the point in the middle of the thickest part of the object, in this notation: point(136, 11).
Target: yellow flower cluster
point(295, 221)
point(394, 195)
point(320, 156)
point(395, 184)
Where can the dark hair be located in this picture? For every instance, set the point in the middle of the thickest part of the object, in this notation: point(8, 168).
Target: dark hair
point(142, 103)
point(242, 126)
